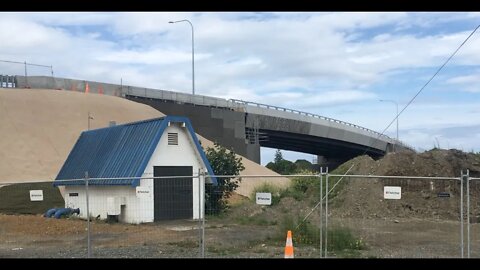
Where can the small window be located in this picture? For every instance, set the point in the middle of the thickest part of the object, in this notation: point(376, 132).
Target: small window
point(172, 138)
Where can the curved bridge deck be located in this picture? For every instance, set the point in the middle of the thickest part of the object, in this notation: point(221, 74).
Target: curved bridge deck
point(243, 125)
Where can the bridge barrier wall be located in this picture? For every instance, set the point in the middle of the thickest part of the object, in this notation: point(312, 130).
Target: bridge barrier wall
point(336, 129)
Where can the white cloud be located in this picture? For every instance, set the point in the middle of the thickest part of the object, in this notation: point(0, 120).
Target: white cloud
point(353, 20)
point(465, 79)
point(465, 138)
point(314, 62)
point(139, 23)
point(63, 18)
point(154, 57)
point(328, 98)
point(467, 83)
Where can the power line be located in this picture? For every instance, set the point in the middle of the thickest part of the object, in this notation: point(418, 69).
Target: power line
point(434, 75)
point(418, 93)
point(379, 135)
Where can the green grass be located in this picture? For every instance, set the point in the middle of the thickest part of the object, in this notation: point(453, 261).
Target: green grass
point(302, 188)
point(267, 188)
point(15, 199)
point(340, 239)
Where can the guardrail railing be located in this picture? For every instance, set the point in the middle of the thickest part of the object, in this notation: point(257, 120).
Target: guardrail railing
point(261, 105)
point(231, 104)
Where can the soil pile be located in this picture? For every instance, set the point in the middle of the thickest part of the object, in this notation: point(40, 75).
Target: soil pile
point(422, 198)
point(39, 128)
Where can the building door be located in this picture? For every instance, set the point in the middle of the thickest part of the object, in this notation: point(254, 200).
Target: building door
point(173, 197)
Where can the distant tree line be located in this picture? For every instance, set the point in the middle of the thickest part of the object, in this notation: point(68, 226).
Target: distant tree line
point(283, 166)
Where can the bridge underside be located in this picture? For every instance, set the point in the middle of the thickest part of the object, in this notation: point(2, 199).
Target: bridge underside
point(314, 145)
point(334, 152)
point(230, 129)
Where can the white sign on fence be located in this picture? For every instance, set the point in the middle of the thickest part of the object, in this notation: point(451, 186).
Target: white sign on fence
point(36, 195)
point(264, 198)
point(143, 192)
point(394, 193)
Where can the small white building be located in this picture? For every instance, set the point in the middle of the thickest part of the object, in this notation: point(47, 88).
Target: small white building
point(158, 147)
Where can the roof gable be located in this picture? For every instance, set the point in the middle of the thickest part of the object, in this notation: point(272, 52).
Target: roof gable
point(119, 151)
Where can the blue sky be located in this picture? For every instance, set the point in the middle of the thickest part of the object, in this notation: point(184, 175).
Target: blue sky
point(337, 65)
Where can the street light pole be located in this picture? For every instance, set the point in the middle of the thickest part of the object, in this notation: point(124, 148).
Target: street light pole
point(89, 117)
point(193, 54)
point(396, 104)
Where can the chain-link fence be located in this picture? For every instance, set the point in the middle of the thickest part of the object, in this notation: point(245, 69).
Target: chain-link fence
point(361, 216)
point(393, 217)
point(473, 216)
point(26, 233)
point(26, 69)
point(255, 224)
point(158, 218)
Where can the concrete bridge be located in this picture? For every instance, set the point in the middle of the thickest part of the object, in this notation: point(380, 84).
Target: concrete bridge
point(245, 126)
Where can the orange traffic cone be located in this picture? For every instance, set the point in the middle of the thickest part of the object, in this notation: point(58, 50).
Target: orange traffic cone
point(87, 88)
point(289, 246)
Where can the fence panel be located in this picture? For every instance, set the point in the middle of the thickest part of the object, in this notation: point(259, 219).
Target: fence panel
point(393, 217)
point(159, 218)
point(253, 222)
point(162, 217)
point(26, 232)
point(474, 196)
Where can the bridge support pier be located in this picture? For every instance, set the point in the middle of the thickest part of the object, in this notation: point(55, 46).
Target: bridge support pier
point(330, 162)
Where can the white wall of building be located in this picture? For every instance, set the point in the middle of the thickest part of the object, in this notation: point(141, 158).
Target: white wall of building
point(140, 209)
point(183, 154)
point(134, 211)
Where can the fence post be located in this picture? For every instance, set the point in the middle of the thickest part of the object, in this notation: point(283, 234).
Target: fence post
point(26, 79)
point(321, 211)
point(326, 212)
point(461, 213)
point(468, 213)
point(202, 185)
point(88, 216)
point(199, 214)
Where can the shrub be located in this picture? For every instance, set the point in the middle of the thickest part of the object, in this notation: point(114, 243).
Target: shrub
point(267, 188)
point(339, 238)
point(223, 162)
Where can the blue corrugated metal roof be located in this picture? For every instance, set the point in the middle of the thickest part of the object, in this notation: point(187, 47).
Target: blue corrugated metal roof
point(119, 151)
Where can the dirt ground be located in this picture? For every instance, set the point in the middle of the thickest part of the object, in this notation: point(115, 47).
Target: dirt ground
point(36, 236)
point(420, 225)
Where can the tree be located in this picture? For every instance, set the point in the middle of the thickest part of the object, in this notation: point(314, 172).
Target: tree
point(278, 157)
point(223, 162)
point(280, 165)
point(303, 165)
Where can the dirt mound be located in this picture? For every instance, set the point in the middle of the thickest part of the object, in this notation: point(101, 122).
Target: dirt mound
point(422, 198)
point(436, 162)
point(39, 128)
point(247, 184)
